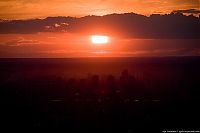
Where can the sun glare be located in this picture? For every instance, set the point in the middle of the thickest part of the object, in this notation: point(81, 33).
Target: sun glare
point(99, 39)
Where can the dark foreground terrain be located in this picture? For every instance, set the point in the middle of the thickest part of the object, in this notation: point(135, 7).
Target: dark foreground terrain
point(101, 94)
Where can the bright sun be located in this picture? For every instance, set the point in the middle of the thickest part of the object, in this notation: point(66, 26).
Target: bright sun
point(99, 39)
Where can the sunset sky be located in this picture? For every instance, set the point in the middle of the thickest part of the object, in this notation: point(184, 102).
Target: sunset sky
point(53, 37)
point(61, 45)
point(23, 9)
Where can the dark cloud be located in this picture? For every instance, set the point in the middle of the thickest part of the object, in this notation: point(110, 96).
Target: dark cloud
point(129, 25)
point(192, 11)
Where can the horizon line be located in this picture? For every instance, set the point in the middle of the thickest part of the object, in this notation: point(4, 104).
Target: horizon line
point(79, 57)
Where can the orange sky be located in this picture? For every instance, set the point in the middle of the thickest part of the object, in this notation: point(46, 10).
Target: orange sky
point(23, 9)
point(74, 45)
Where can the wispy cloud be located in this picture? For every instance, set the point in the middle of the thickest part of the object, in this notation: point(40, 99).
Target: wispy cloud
point(19, 42)
point(191, 11)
